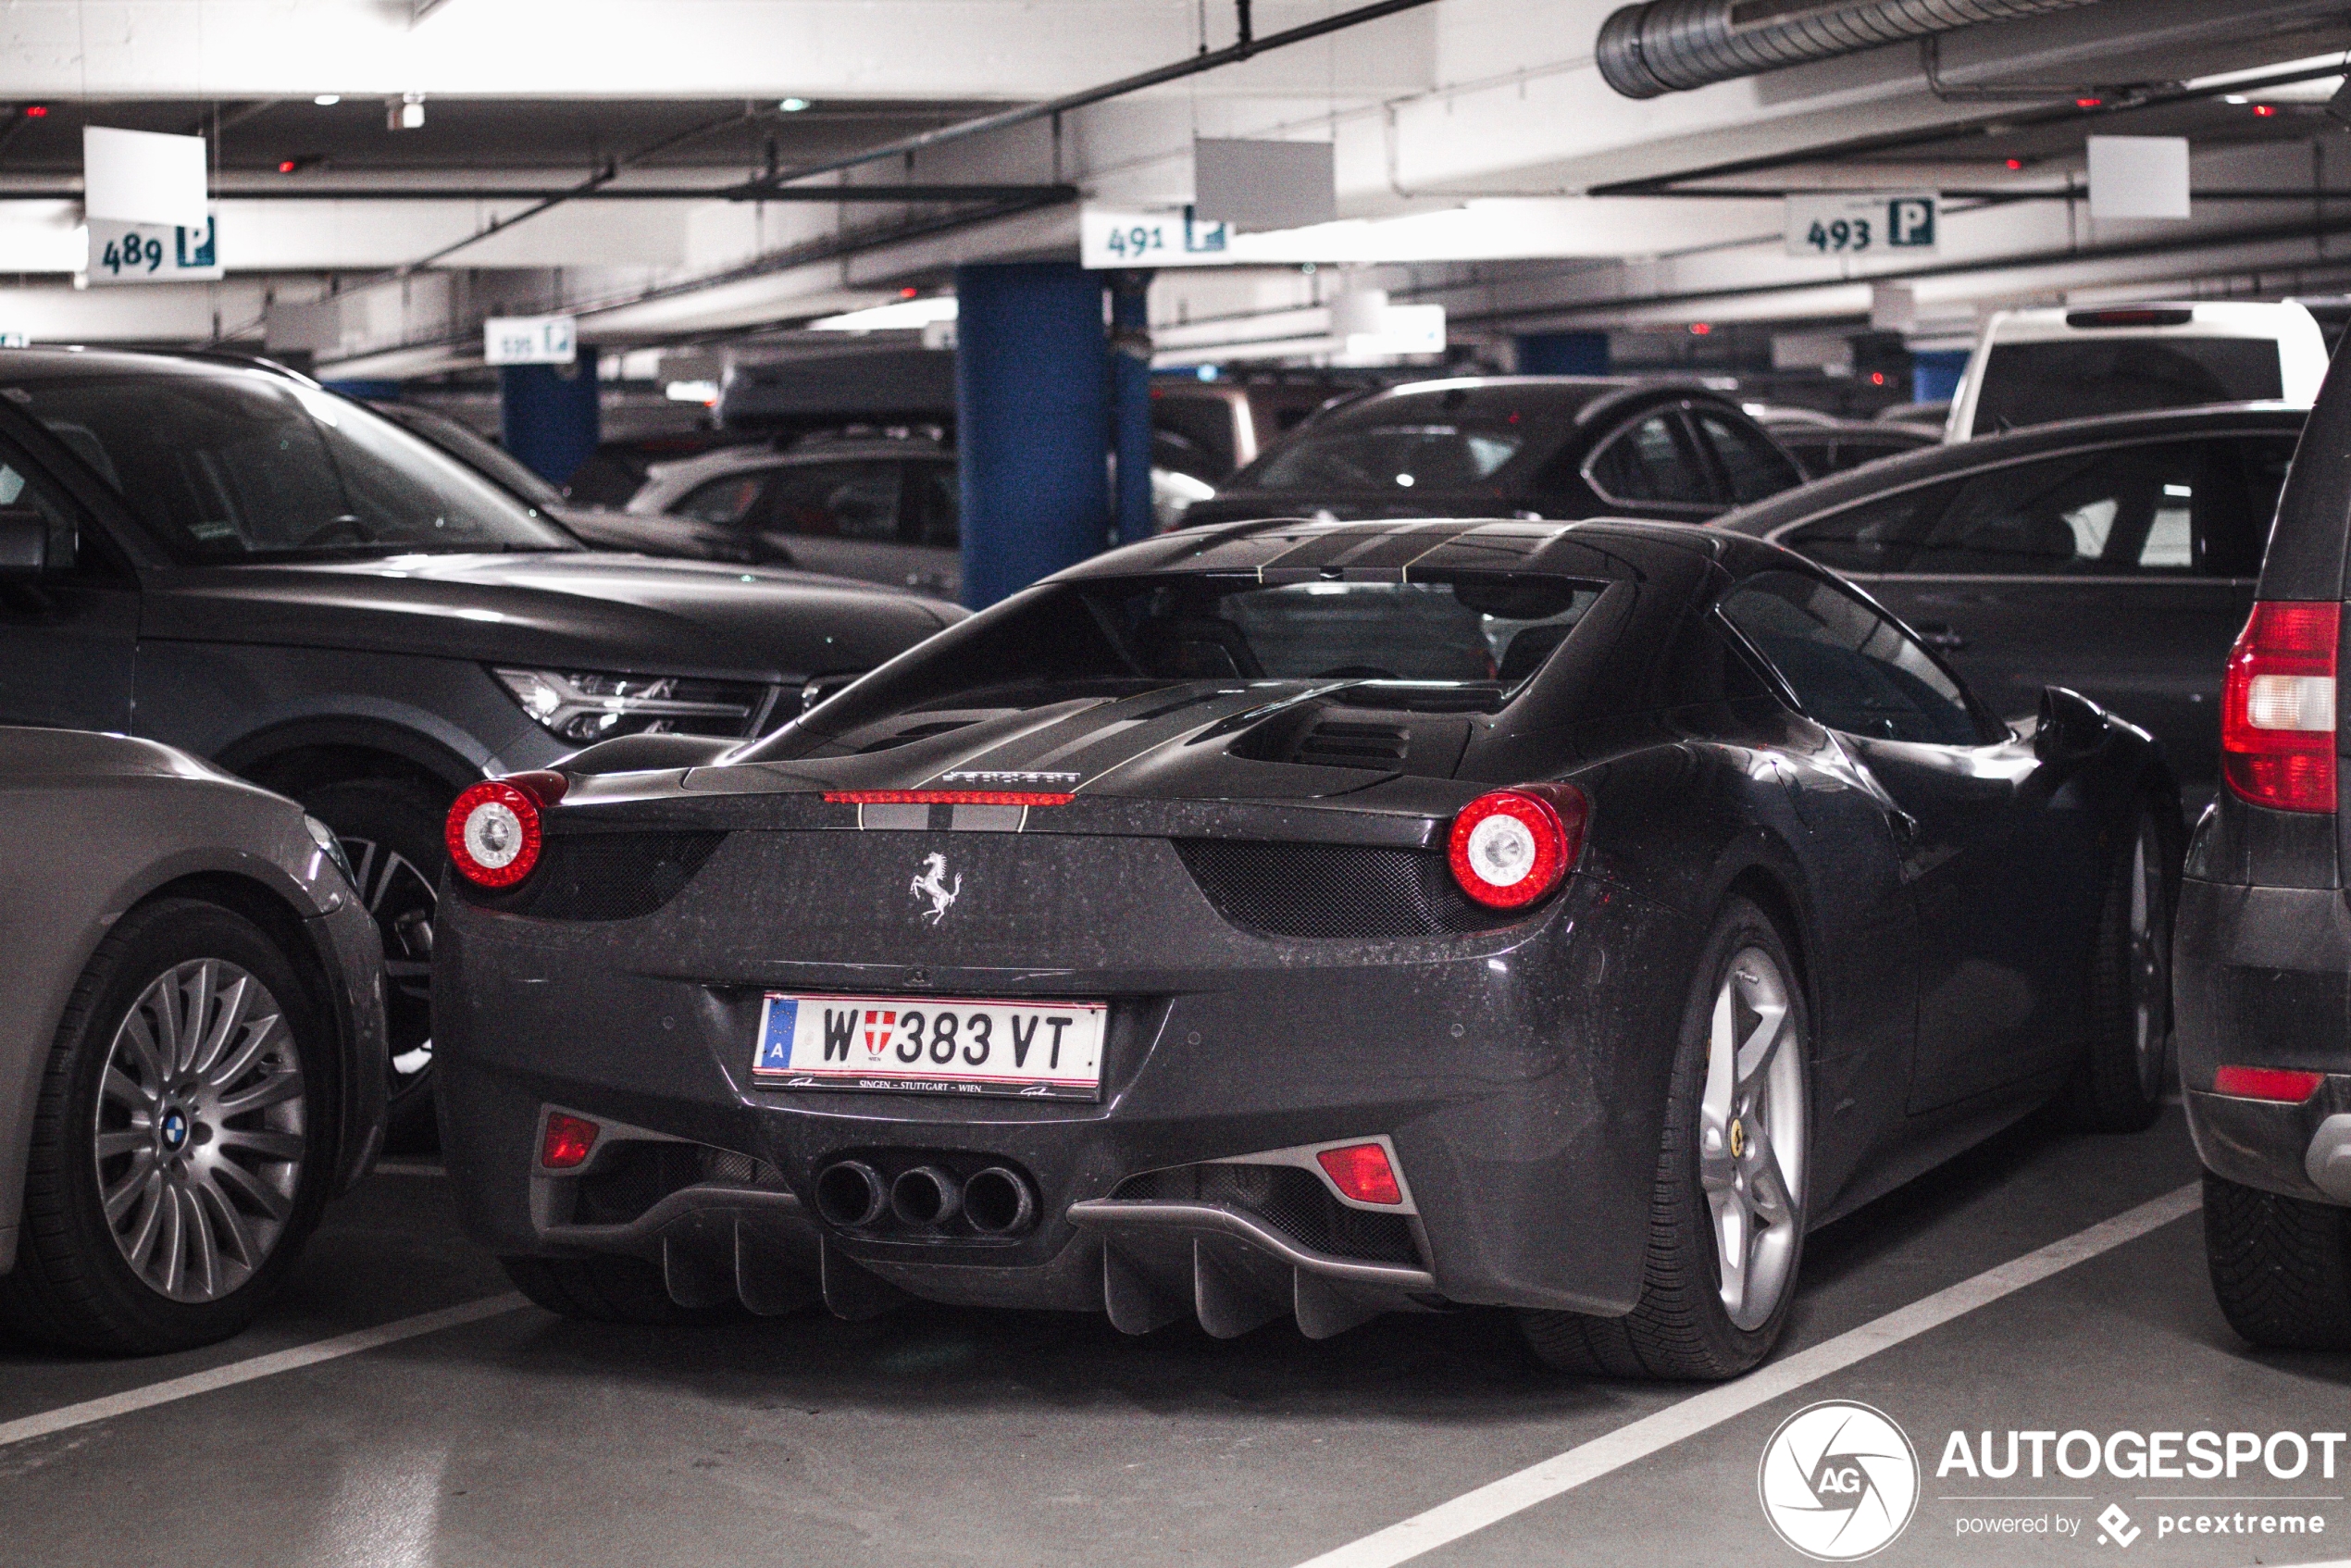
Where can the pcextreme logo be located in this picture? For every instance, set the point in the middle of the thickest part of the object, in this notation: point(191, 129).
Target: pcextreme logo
point(1839, 1481)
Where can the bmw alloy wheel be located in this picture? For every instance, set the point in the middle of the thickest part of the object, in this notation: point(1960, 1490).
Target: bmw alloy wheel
point(200, 1134)
point(1752, 1138)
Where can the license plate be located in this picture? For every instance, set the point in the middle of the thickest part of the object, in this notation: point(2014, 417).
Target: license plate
point(931, 1045)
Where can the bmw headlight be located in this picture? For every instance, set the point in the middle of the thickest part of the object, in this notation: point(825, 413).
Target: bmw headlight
point(583, 707)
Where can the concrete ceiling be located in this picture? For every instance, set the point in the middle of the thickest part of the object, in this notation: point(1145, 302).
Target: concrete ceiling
point(1469, 136)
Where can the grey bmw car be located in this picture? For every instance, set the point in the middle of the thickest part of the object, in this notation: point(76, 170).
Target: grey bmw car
point(191, 1041)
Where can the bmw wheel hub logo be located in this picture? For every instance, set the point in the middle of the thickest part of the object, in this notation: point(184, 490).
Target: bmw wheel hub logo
point(175, 1130)
point(1839, 1481)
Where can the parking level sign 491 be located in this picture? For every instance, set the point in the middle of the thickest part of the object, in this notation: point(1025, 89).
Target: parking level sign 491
point(1863, 223)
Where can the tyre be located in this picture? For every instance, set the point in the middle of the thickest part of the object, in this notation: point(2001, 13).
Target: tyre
point(391, 833)
point(182, 1139)
point(2281, 1266)
point(1727, 1215)
point(2118, 1086)
point(605, 1291)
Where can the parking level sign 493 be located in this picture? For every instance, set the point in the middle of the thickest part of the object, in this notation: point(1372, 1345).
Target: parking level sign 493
point(1863, 223)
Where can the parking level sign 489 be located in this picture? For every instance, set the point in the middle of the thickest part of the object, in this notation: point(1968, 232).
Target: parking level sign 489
point(1863, 223)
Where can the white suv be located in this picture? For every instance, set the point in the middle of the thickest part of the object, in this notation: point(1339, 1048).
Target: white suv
point(2032, 367)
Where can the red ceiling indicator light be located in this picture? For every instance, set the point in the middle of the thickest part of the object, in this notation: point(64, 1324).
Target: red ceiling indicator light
point(287, 166)
point(567, 1142)
point(2015, 164)
point(2277, 707)
point(1510, 848)
point(2282, 1085)
point(1877, 378)
point(36, 111)
point(1361, 1171)
point(2089, 102)
point(2265, 110)
point(1700, 328)
point(908, 292)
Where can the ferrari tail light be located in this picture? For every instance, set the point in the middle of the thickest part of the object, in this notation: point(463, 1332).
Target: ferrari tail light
point(492, 832)
point(1362, 1171)
point(2277, 707)
point(1511, 847)
point(2283, 1085)
point(567, 1142)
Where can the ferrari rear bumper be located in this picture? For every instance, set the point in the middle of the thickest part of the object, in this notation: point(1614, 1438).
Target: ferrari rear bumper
point(1517, 1075)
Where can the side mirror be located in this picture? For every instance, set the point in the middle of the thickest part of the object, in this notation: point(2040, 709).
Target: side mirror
point(2071, 727)
point(24, 542)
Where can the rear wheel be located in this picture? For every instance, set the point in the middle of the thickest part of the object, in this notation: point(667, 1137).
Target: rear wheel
point(2281, 1266)
point(2118, 1086)
point(1726, 1220)
point(182, 1143)
point(605, 1291)
point(391, 833)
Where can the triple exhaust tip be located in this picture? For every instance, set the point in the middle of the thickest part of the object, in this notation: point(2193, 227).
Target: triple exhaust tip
point(996, 1202)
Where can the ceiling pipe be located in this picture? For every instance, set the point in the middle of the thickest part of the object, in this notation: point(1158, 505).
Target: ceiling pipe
point(1663, 46)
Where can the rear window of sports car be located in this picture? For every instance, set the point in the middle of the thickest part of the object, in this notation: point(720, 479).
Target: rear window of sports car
point(1473, 641)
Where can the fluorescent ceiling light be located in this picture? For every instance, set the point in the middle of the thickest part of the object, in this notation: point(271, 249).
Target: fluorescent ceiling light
point(905, 314)
point(792, 105)
point(327, 100)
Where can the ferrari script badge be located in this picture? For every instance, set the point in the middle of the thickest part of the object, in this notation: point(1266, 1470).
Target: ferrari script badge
point(931, 883)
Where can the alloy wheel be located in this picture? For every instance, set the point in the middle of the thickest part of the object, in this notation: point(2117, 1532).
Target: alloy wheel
point(1752, 1138)
point(200, 1133)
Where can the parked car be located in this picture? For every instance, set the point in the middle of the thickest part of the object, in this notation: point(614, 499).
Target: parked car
point(1501, 446)
point(2116, 557)
point(242, 564)
point(2264, 948)
point(2034, 366)
point(877, 507)
point(599, 527)
point(1825, 446)
point(1199, 934)
point(191, 1035)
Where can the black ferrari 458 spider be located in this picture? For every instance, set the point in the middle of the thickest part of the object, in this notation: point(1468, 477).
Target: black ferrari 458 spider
point(1307, 920)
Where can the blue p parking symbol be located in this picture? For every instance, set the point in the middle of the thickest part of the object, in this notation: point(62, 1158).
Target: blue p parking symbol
point(1909, 223)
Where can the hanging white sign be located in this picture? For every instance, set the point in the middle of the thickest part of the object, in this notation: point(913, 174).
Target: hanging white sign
point(152, 253)
point(1109, 237)
point(1864, 223)
point(529, 340)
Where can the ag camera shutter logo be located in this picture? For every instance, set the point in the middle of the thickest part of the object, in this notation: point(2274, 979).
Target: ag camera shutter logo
point(1839, 1481)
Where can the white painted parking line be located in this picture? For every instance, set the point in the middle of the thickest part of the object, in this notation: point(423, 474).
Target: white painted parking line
point(66, 1417)
point(1498, 1500)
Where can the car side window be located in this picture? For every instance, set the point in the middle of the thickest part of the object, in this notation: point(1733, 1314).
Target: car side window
point(1754, 467)
point(1881, 535)
point(2159, 509)
point(1850, 667)
point(75, 550)
point(847, 499)
point(724, 500)
point(933, 504)
point(1650, 463)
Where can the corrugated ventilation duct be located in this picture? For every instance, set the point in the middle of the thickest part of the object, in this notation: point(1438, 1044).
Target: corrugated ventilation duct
point(1673, 45)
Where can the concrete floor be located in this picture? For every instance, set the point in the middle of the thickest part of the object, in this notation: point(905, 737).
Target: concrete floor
point(973, 1437)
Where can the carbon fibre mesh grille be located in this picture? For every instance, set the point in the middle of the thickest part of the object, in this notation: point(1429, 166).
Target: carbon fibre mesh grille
point(1293, 1201)
point(605, 876)
point(1334, 890)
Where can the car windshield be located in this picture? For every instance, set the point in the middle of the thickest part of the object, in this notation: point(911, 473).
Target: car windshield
point(479, 452)
point(1440, 455)
point(2035, 383)
point(234, 465)
point(1483, 635)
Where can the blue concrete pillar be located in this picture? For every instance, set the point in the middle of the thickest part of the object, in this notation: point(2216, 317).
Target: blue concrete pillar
point(547, 415)
point(1562, 354)
point(1032, 422)
point(1130, 401)
point(1934, 375)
